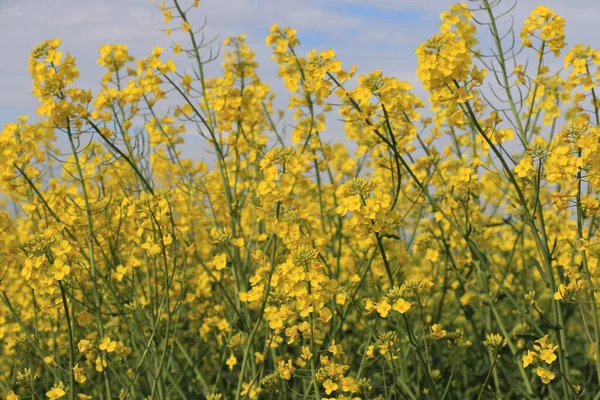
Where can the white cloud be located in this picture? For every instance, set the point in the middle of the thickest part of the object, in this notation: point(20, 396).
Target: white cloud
point(433, 6)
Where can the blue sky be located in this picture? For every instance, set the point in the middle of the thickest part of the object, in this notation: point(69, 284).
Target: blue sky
point(371, 34)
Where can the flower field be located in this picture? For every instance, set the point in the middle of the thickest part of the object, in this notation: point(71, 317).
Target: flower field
point(446, 248)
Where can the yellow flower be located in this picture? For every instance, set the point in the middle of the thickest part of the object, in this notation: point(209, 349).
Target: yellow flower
point(551, 29)
point(231, 361)
point(306, 353)
point(529, 358)
point(83, 346)
point(524, 167)
point(250, 390)
point(547, 355)
point(384, 308)
point(437, 332)
point(545, 375)
point(330, 386)
point(50, 361)
point(325, 314)
point(84, 318)
point(238, 242)
point(186, 27)
point(335, 349)
point(285, 369)
point(79, 373)
point(402, 306)
point(107, 345)
point(370, 352)
point(56, 392)
point(114, 56)
point(101, 364)
point(12, 396)
point(168, 16)
point(432, 255)
point(219, 262)
point(370, 305)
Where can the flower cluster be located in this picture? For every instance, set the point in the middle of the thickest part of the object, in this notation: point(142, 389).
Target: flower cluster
point(426, 248)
